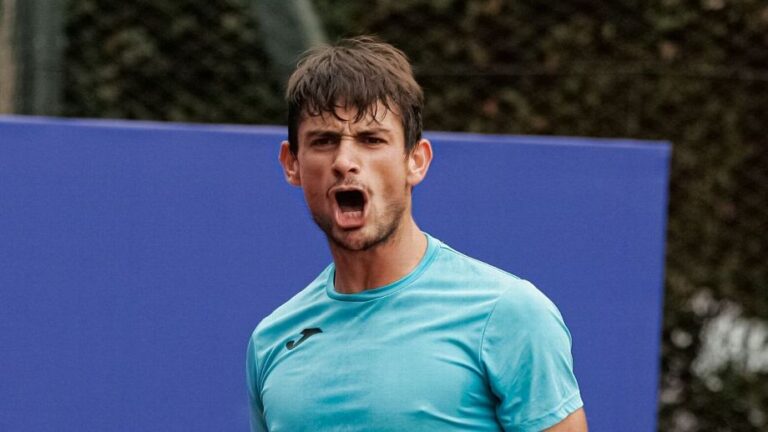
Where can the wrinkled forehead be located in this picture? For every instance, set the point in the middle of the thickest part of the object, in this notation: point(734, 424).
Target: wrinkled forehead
point(343, 116)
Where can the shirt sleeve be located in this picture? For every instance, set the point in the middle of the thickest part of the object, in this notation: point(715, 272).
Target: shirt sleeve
point(526, 352)
point(258, 423)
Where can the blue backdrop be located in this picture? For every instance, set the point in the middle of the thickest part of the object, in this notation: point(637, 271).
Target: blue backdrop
point(136, 258)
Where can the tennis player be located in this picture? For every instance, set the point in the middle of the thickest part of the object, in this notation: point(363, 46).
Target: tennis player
point(401, 332)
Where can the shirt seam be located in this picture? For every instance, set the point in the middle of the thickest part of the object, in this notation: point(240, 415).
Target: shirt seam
point(485, 328)
point(257, 379)
point(482, 263)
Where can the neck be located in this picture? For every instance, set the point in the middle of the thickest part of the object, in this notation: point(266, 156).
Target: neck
point(381, 265)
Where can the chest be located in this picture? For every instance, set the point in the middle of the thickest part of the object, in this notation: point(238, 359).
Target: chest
point(388, 370)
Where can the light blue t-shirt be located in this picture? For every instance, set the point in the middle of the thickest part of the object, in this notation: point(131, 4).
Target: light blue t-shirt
point(456, 345)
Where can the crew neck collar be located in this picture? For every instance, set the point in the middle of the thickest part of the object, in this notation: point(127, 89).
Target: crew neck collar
point(374, 293)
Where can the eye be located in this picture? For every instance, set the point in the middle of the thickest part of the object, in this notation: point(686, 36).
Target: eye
point(322, 141)
point(373, 140)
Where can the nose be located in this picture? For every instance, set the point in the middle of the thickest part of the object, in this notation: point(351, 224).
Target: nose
point(345, 161)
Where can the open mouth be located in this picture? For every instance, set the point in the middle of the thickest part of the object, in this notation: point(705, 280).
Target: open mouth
point(351, 208)
point(350, 201)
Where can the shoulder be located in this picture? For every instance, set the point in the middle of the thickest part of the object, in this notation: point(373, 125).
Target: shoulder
point(513, 290)
point(515, 303)
point(280, 325)
point(507, 300)
point(292, 310)
point(522, 322)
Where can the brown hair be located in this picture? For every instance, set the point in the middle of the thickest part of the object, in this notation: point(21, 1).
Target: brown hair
point(357, 73)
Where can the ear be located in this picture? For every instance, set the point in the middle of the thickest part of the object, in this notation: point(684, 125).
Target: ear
point(418, 162)
point(290, 164)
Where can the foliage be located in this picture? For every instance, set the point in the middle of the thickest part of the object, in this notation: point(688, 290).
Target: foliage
point(692, 72)
point(168, 60)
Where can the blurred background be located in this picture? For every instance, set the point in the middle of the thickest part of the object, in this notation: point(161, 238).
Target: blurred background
point(691, 72)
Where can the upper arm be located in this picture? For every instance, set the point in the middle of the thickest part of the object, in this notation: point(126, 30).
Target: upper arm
point(526, 352)
point(576, 422)
point(254, 395)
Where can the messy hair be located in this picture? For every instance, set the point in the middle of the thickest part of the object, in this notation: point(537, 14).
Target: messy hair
point(355, 73)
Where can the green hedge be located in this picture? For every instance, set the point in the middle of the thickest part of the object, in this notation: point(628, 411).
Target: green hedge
point(177, 60)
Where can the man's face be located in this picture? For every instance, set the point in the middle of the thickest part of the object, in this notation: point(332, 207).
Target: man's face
point(356, 176)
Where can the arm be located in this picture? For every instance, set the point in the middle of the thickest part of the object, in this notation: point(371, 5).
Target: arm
point(576, 422)
point(526, 352)
point(258, 423)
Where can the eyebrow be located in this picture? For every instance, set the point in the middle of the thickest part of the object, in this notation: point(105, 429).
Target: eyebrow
point(374, 130)
point(334, 132)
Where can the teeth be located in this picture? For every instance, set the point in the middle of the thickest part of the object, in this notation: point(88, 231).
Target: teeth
point(349, 219)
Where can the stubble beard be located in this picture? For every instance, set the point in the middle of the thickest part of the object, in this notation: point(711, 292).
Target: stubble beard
point(383, 232)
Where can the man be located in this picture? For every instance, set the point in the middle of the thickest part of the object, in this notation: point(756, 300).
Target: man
point(400, 332)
